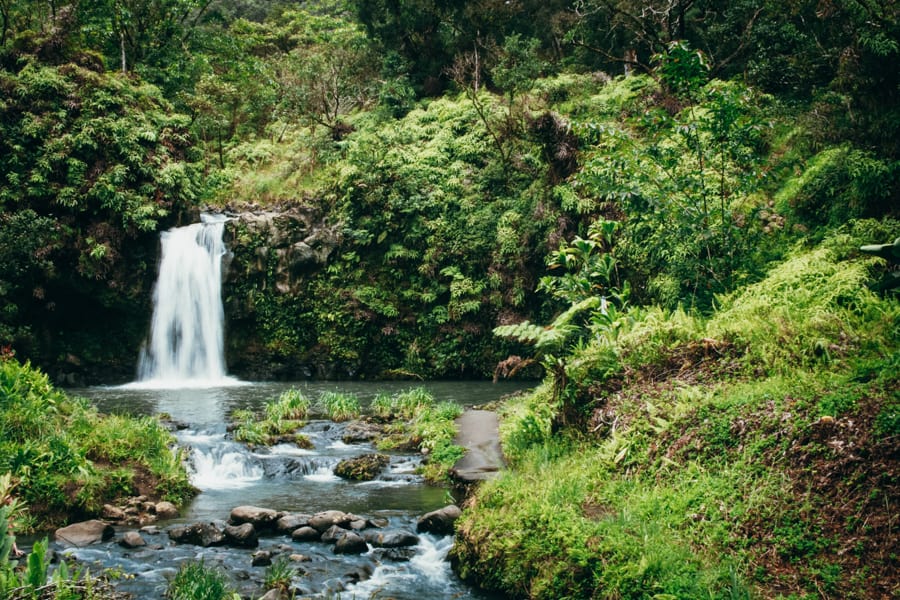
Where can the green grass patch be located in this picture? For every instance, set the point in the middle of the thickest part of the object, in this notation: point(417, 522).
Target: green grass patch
point(197, 581)
point(339, 406)
point(417, 421)
point(65, 458)
point(279, 421)
point(720, 459)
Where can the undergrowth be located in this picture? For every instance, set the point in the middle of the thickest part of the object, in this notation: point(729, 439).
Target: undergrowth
point(751, 453)
point(65, 459)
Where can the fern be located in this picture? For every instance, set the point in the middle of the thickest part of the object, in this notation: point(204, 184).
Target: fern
point(554, 335)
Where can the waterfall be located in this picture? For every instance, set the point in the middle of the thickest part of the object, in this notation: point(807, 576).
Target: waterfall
point(186, 344)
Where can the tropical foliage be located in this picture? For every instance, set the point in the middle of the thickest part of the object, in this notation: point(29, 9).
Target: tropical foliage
point(655, 205)
point(66, 460)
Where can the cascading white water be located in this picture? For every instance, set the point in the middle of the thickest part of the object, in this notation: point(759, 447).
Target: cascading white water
point(186, 345)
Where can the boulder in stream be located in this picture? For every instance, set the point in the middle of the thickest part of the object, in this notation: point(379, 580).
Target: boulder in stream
point(199, 534)
point(323, 520)
point(305, 534)
point(361, 431)
point(132, 539)
point(350, 543)
point(392, 539)
point(242, 536)
point(333, 534)
point(260, 518)
point(291, 522)
point(439, 521)
point(362, 468)
point(84, 533)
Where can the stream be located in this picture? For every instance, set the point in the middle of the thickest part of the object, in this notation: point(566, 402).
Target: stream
point(287, 478)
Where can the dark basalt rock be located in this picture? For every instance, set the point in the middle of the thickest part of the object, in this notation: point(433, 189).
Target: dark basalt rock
point(243, 536)
point(439, 521)
point(199, 534)
point(351, 543)
point(362, 468)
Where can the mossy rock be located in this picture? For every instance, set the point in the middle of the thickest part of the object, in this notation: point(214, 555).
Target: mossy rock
point(362, 468)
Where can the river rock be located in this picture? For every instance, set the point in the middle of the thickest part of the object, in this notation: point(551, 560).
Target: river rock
point(112, 513)
point(199, 534)
point(358, 524)
point(84, 533)
point(377, 522)
point(333, 534)
point(392, 539)
point(291, 522)
point(362, 468)
point(305, 534)
point(166, 510)
point(395, 554)
point(273, 594)
point(439, 521)
point(361, 431)
point(323, 520)
point(243, 536)
point(261, 518)
point(263, 558)
point(350, 543)
point(132, 539)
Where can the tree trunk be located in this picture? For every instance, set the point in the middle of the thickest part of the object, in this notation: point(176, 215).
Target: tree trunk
point(122, 51)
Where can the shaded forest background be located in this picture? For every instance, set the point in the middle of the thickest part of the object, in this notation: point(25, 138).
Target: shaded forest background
point(456, 145)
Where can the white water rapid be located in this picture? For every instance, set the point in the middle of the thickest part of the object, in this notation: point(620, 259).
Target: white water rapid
point(186, 345)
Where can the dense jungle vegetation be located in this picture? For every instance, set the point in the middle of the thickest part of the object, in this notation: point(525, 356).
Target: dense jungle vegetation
point(656, 206)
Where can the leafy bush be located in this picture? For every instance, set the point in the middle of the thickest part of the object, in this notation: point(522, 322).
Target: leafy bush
point(839, 184)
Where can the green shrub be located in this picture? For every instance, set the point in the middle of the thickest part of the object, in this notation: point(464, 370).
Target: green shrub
point(840, 184)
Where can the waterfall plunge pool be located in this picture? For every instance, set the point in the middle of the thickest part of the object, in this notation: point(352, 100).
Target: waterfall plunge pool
point(287, 478)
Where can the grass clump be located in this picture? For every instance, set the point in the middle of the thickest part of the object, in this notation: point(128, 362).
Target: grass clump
point(418, 422)
point(279, 574)
point(278, 423)
point(66, 460)
point(339, 406)
point(196, 581)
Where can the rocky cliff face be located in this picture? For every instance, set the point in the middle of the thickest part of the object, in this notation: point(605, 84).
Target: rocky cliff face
point(274, 254)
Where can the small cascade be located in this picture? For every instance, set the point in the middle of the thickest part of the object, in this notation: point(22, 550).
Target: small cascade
point(186, 344)
point(222, 468)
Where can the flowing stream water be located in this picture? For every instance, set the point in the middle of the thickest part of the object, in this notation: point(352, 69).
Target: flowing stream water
point(182, 373)
point(290, 479)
